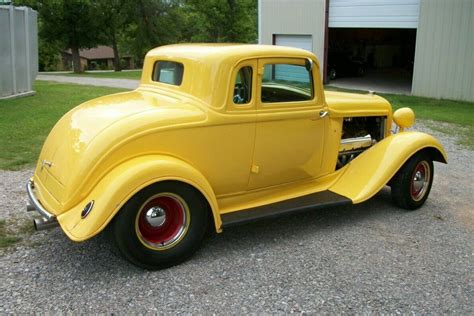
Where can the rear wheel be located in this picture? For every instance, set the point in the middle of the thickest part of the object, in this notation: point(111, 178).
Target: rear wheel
point(161, 226)
point(412, 183)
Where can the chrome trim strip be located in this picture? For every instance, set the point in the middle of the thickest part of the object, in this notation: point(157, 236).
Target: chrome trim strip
point(29, 189)
point(356, 139)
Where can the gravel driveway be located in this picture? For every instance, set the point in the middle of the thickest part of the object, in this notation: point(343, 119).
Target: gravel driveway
point(91, 81)
point(357, 259)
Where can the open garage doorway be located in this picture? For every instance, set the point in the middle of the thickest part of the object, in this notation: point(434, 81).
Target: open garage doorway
point(377, 59)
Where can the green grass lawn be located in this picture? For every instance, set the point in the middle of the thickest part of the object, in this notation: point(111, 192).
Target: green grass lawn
point(14, 230)
point(455, 112)
point(25, 122)
point(132, 74)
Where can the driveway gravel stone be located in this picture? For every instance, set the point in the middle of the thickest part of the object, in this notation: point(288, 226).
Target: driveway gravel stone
point(91, 81)
point(367, 258)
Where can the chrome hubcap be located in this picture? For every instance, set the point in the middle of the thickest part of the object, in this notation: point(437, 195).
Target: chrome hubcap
point(420, 181)
point(162, 221)
point(156, 216)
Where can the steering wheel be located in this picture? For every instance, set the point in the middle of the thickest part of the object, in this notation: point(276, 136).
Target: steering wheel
point(239, 93)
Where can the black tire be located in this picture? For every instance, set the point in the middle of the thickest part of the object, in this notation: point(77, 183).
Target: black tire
point(136, 215)
point(332, 74)
point(412, 183)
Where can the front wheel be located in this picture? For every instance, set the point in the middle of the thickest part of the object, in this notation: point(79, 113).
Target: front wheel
point(161, 226)
point(412, 183)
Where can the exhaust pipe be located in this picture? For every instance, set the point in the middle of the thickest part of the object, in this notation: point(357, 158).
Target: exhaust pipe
point(30, 207)
point(47, 219)
point(43, 224)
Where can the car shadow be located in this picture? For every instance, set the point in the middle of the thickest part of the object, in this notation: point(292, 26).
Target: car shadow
point(307, 222)
point(92, 259)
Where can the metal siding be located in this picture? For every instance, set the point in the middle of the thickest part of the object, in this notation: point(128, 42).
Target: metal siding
point(6, 84)
point(298, 17)
point(33, 35)
point(444, 61)
point(374, 13)
point(18, 50)
point(468, 78)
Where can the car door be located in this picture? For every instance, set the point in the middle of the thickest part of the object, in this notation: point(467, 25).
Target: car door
point(234, 140)
point(291, 122)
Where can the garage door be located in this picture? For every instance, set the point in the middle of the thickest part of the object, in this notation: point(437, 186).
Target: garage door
point(374, 13)
point(288, 73)
point(297, 41)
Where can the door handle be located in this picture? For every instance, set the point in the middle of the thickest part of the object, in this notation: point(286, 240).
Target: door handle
point(322, 114)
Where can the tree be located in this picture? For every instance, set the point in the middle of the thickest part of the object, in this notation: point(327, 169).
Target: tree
point(136, 26)
point(221, 20)
point(49, 55)
point(151, 23)
point(73, 23)
point(115, 16)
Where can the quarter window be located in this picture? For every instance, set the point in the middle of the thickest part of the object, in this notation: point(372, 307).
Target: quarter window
point(243, 86)
point(168, 72)
point(286, 83)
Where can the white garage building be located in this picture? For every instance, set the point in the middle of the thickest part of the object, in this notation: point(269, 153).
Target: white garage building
point(427, 43)
point(18, 51)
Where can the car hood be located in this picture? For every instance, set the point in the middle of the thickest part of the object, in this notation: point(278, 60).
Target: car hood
point(86, 133)
point(341, 104)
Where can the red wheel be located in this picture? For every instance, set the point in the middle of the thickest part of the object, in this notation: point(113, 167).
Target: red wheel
point(162, 221)
point(162, 225)
point(412, 183)
point(420, 180)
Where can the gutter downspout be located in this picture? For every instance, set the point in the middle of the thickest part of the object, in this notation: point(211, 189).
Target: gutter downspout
point(259, 26)
point(326, 42)
point(12, 48)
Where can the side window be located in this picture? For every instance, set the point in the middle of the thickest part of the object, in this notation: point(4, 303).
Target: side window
point(243, 86)
point(169, 72)
point(286, 83)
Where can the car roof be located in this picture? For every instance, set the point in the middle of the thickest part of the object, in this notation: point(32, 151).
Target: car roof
point(219, 52)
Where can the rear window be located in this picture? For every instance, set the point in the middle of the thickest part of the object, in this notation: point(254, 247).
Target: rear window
point(168, 72)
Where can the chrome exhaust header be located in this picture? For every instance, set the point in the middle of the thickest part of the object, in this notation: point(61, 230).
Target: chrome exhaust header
point(30, 207)
point(43, 223)
point(47, 219)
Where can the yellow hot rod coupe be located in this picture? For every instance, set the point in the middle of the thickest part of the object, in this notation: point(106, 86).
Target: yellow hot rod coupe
point(221, 135)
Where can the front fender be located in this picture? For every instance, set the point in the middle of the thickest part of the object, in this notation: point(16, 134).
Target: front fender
point(119, 185)
point(366, 175)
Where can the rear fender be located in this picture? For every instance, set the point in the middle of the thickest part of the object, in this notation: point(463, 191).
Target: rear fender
point(124, 181)
point(366, 175)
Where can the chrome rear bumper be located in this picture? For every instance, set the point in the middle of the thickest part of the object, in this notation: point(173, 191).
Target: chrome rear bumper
point(47, 219)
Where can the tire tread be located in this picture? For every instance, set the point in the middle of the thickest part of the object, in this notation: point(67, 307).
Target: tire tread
point(400, 183)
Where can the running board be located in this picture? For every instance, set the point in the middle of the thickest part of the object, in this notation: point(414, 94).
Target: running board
point(307, 202)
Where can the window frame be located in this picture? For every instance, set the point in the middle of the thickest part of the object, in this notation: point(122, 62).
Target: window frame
point(251, 85)
point(166, 83)
point(315, 101)
point(250, 106)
